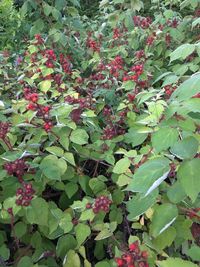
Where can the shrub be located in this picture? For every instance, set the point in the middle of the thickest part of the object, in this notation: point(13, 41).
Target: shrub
point(100, 146)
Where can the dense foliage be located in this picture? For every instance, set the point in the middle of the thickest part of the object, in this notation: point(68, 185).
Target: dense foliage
point(99, 134)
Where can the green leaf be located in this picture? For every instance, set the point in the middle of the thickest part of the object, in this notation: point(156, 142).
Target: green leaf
point(20, 229)
point(64, 244)
point(129, 85)
point(163, 217)
point(82, 233)
point(188, 175)
point(47, 9)
point(175, 262)
point(186, 148)
point(52, 167)
point(165, 239)
point(194, 253)
point(25, 262)
point(56, 14)
point(176, 193)
point(37, 212)
point(134, 137)
point(97, 185)
point(182, 52)
point(164, 138)
point(55, 150)
point(138, 205)
point(136, 5)
point(79, 136)
point(122, 166)
point(72, 259)
point(103, 264)
point(4, 252)
point(37, 27)
point(45, 85)
point(105, 233)
point(70, 158)
point(71, 189)
point(66, 223)
point(60, 4)
point(149, 176)
point(195, 22)
point(187, 89)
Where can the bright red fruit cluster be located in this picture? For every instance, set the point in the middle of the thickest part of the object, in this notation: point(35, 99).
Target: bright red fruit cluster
point(4, 128)
point(142, 22)
point(25, 194)
point(134, 257)
point(169, 89)
point(102, 203)
point(92, 44)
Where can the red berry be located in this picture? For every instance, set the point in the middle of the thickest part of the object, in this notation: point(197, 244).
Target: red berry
point(88, 206)
point(119, 262)
point(133, 246)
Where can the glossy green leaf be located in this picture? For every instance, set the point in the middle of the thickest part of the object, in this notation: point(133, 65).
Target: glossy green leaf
point(138, 205)
point(52, 167)
point(37, 208)
point(72, 259)
point(187, 89)
point(121, 166)
point(82, 233)
point(79, 136)
point(173, 262)
point(186, 148)
point(164, 138)
point(188, 175)
point(164, 215)
point(149, 176)
point(182, 51)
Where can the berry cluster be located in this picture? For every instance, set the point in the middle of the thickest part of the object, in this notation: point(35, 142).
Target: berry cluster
point(30, 94)
point(58, 78)
point(134, 257)
point(25, 194)
point(92, 44)
point(48, 125)
point(4, 129)
point(168, 39)
point(137, 70)
point(115, 66)
point(51, 57)
point(119, 36)
point(131, 97)
point(116, 33)
point(142, 22)
point(140, 54)
point(173, 23)
point(102, 203)
point(169, 89)
point(111, 131)
point(38, 39)
point(196, 96)
point(16, 168)
point(84, 102)
point(150, 39)
point(66, 64)
point(42, 111)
